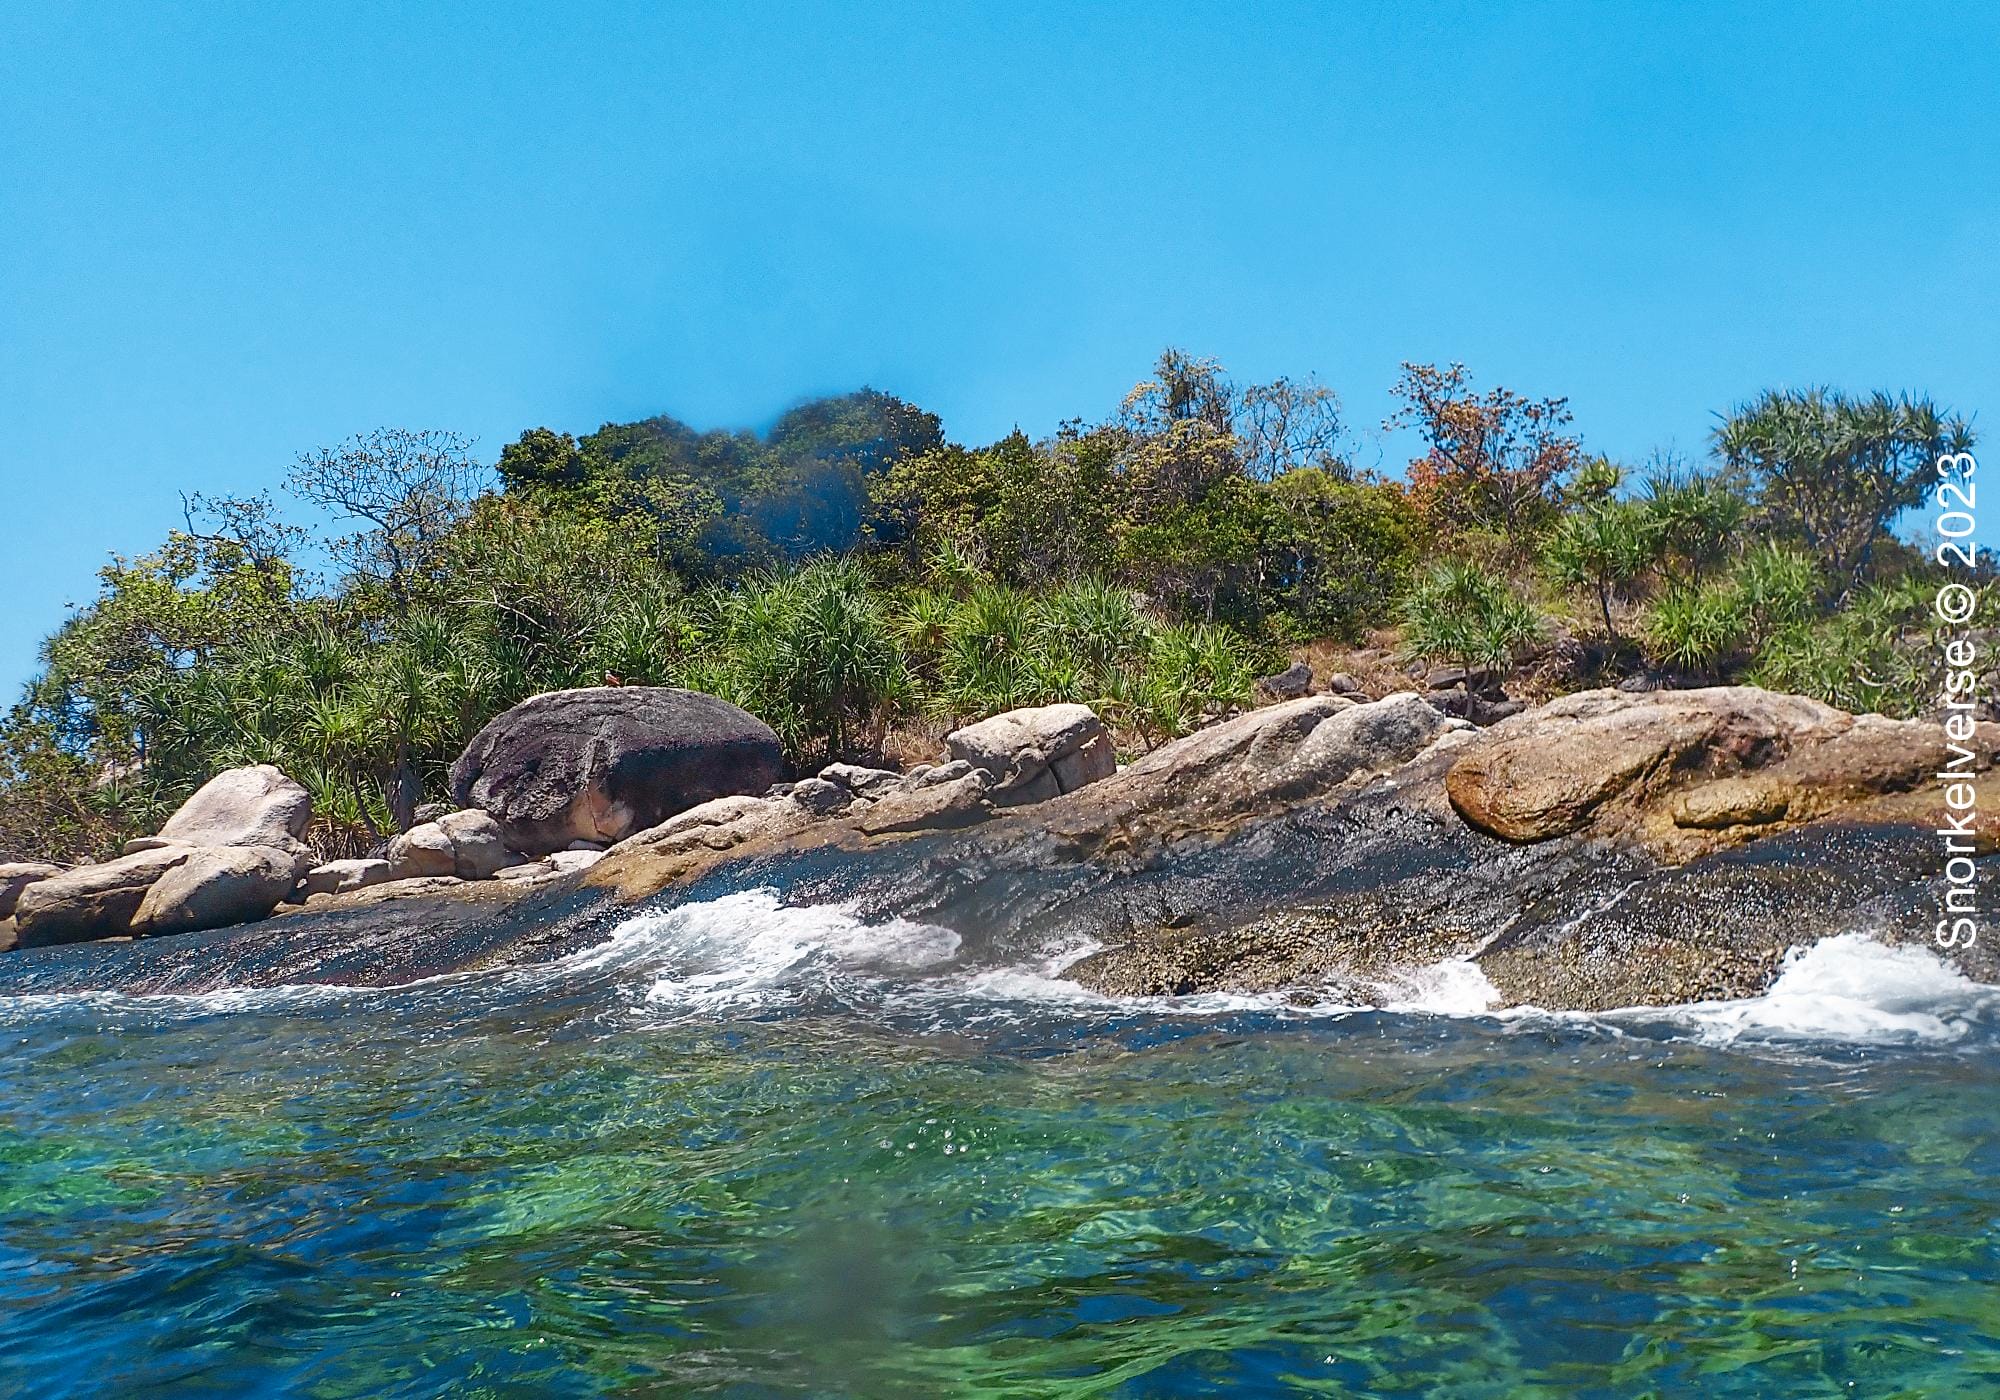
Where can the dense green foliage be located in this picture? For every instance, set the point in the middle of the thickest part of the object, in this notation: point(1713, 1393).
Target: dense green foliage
point(861, 583)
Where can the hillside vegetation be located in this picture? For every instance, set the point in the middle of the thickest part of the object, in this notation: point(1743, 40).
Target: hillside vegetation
point(860, 582)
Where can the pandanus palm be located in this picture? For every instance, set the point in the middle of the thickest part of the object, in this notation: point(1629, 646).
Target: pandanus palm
point(1460, 613)
point(1598, 549)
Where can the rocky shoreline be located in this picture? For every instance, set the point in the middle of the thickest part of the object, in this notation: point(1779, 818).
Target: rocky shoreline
point(1603, 849)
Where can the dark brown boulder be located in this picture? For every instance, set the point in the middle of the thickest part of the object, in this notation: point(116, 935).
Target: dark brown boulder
point(603, 763)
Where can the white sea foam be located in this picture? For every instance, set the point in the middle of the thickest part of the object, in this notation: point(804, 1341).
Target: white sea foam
point(750, 952)
point(1847, 988)
point(1455, 987)
point(749, 949)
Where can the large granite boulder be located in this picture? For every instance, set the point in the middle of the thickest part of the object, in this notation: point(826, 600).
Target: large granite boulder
point(253, 806)
point(216, 886)
point(91, 901)
point(1031, 755)
point(604, 763)
point(422, 852)
point(16, 876)
point(1684, 771)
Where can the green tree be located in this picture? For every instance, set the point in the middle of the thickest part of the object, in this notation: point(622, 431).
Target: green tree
point(1599, 549)
point(1494, 461)
point(1833, 472)
point(407, 489)
point(1697, 520)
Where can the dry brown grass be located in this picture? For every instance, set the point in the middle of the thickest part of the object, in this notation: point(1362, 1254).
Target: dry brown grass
point(913, 740)
point(1374, 664)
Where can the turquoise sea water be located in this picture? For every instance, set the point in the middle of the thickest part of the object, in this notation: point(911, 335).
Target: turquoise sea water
point(743, 1150)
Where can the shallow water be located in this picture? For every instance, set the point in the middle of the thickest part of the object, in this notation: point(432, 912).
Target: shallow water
point(750, 1150)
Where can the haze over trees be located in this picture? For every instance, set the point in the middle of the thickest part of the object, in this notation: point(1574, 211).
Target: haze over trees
point(861, 582)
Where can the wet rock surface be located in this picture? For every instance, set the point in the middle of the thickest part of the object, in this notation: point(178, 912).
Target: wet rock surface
point(1319, 848)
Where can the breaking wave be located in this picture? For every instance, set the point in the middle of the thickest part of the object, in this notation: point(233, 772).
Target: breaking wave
point(750, 954)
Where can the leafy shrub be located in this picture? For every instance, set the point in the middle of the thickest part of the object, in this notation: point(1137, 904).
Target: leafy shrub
point(1463, 615)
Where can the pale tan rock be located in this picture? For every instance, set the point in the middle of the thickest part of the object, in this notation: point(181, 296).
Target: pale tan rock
point(91, 901)
point(1037, 753)
point(217, 886)
point(424, 851)
point(16, 876)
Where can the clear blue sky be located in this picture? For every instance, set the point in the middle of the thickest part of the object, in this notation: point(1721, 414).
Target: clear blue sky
point(229, 233)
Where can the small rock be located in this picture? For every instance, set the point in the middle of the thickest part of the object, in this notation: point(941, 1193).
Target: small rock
point(573, 862)
point(1340, 683)
point(1480, 680)
point(942, 773)
point(1289, 684)
point(532, 870)
point(430, 812)
point(341, 876)
point(820, 797)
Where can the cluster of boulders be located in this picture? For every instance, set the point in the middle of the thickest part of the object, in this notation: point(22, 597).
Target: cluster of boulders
point(231, 853)
point(1608, 848)
point(546, 789)
point(1011, 760)
point(1477, 693)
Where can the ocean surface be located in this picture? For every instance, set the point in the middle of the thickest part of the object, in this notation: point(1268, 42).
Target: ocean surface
point(743, 1149)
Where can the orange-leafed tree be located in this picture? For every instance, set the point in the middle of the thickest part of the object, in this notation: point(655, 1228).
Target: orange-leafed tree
point(1492, 461)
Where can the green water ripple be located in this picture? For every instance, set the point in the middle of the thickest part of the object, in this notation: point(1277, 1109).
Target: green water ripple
point(295, 1205)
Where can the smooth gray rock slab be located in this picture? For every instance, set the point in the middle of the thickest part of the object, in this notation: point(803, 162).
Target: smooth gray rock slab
point(343, 876)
